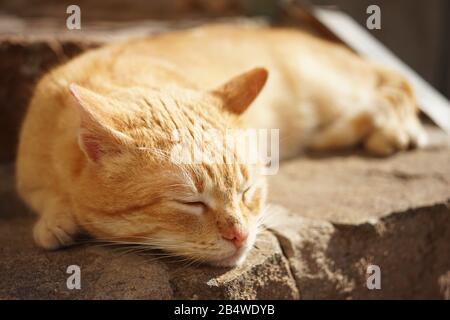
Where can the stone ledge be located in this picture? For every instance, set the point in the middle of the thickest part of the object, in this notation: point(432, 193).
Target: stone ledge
point(412, 249)
point(322, 255)
point(27, 272)
point(354, 188)
point(265, 275)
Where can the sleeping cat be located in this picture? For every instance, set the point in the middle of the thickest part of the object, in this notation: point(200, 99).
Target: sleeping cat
point(94, 147)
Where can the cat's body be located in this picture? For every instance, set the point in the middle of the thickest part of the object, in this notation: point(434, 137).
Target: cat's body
point(318, 94)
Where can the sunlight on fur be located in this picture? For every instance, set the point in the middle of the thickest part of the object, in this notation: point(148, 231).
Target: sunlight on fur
point(95, 144)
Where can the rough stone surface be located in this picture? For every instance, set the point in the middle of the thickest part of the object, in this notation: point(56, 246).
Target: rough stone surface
point(27, 272)
point(265, 275)
point(329, 260)
point(321, 256)
point(31, 273)
point(350, 211)
point(354, 188)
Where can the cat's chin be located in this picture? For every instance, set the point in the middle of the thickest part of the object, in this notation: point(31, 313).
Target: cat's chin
point(233, 261)
point(237, 258)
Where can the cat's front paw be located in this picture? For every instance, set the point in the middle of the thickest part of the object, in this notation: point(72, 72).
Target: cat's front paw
point(52, 233)
point(388, 139)
point(395, 121)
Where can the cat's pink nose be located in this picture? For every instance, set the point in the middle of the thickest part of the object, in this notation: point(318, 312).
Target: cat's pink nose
point(235, 235)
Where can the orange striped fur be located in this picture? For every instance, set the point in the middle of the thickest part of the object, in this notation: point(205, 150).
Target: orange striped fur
point(94, 147)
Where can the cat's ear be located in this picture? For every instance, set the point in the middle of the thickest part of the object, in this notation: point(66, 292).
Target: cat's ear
point(96, 137)
point(238, 93)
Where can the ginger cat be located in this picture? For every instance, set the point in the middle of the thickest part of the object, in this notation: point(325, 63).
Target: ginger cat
point(93, 151)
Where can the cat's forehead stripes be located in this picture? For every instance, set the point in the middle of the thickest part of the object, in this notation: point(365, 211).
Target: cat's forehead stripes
point(181, 109)
point(162, 113)
point(221, 182)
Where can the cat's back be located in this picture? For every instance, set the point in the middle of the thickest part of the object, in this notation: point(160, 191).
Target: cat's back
point(202, 58)
point(209, 55)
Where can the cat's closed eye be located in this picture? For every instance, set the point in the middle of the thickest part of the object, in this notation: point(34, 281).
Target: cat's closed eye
point(247, 195)
point(194, 203)
point(195, 206)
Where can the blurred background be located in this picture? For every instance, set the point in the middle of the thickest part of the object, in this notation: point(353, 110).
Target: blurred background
point(34, 36)
point(418, 31)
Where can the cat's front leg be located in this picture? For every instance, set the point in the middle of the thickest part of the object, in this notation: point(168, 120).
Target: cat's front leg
point(56, 226)
point(344, 132)
point(390, 138)
point(396, 124)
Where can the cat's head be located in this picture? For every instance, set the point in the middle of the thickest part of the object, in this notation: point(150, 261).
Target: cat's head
point(132, 186)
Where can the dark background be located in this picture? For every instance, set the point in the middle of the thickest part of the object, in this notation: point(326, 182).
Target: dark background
point(418, 31)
